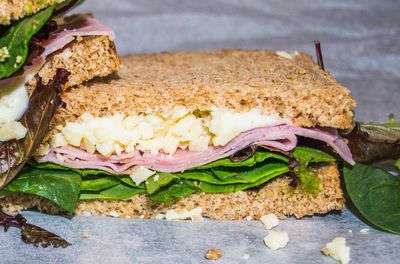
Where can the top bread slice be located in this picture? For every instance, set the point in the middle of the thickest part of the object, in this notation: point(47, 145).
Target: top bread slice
point(16, 9)
point(288, 84)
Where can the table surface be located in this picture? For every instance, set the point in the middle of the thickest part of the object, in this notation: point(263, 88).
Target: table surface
point(361, 48)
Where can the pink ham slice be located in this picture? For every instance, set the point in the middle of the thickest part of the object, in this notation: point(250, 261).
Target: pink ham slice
point(282, 137)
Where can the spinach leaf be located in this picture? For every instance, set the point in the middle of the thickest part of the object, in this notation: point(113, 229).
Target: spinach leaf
point(376, 195)
point(42, 105)
point(309, 180)
point(214, 188)
point(17, 38)
point(259, 156)
point(238, 175)
point(99, 184)
point(163, 179)
point(397, 164)
point(311, 155)
point(174, 191)
point(117, 192)
point(86, 172)
point(61, 187)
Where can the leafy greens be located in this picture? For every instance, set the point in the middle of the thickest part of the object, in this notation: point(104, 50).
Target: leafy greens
point(376, 195)
point(16, 40)
point(65, 186)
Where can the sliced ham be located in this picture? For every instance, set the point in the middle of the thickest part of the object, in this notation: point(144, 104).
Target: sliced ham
point(281, 137)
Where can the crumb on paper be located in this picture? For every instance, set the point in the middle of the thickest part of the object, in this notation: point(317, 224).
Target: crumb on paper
point(84, 235)
point(338, 250)
point(270, 221)
point(276, 239)
point(213, 254)
point(113, 214)
point(364, 231)
point(182, 214)
point(160, 216)
point(246, 256)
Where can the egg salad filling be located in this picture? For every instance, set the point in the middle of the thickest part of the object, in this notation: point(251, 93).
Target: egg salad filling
point(158, 133)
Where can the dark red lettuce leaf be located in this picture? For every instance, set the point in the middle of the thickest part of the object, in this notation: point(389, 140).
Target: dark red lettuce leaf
point(42, 105)
point(32, 234)
point(375, 142)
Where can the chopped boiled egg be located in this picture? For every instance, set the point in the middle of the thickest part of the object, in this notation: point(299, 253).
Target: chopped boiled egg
point(165, 133)
point(141, 174)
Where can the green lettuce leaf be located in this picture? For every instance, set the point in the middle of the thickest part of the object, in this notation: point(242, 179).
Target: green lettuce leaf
point(61, 187)
point(17, 38)
point(267, 175)
point(117, 192)
point(86, 172)
point(309, 180)
point(310, 155)
point(174, 191)
point(259, 156)
point(163, 179)
point(99, 184)
point(397, 164)
point(235, 175)
point(376, 195)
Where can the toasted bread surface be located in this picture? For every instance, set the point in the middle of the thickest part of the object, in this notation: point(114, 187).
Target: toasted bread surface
point(275, 197)
point(239, 80)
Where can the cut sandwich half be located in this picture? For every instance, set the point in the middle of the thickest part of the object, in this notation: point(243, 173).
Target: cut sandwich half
point(42, 54)
point(237, 133)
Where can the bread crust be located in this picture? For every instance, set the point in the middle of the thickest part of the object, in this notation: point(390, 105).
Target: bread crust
point(236, 79)
point(275, 197)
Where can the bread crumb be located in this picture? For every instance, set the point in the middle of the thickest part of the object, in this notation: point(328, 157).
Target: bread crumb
point(84, 235)
point(270, 221)
point(182, 214)
point(113, 214)
point(246, 256)
point(276, 240)
point(213, 254)
point(338, 250)
point(364, 231)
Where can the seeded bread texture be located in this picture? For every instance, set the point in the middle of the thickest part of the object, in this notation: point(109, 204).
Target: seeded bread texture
point(17, 9)
point(275, 197)
point(236, 79)
point(85, 58)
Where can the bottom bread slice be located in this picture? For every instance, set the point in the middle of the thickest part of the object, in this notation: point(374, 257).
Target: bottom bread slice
point(274, 197)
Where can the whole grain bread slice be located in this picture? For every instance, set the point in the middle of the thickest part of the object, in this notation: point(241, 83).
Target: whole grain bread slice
point(274, 197)
point(85, 58)
point(289, 84)
point(16, 9)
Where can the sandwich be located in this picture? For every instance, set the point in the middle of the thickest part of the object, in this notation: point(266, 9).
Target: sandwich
point(35, 42)
point(42, 54)
point(231, 134)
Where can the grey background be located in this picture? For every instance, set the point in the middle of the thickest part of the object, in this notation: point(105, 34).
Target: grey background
point(361, 48)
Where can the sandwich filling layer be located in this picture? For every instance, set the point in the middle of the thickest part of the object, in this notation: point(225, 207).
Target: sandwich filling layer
point(174, 142)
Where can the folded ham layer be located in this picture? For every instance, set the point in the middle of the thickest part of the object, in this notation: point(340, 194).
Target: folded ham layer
point(282, 137)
